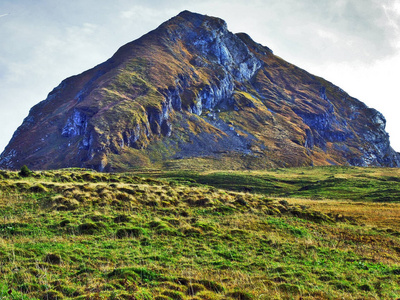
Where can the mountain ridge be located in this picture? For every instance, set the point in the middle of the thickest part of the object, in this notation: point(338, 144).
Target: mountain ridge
point(192, 89)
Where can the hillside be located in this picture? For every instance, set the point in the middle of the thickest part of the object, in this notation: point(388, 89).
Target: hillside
point(79, 234)
point(192, 92)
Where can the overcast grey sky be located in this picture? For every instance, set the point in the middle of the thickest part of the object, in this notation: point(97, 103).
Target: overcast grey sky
point(353, 43)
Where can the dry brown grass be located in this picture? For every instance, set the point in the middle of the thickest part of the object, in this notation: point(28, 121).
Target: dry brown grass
point(382, 215)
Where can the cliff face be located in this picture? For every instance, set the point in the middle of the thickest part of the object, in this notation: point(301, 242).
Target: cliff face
point(191, 89)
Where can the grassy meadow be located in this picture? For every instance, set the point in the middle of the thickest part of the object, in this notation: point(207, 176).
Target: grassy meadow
point(301, 233)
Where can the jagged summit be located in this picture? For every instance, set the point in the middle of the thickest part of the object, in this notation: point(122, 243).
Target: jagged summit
point(196, 21)
point(191, 92)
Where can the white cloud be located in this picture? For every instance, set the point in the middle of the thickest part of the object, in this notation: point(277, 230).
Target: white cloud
point(330, 36)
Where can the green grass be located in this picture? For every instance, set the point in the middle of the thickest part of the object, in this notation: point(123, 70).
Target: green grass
point(76, 234)
point(350, 183)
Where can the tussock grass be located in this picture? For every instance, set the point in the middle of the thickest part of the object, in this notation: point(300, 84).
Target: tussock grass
point(74, 234)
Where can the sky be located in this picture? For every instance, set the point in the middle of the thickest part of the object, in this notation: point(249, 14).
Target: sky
point(354, 44)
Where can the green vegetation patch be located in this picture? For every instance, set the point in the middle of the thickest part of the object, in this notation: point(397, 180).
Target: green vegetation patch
point(178, 236)
point(334, 182)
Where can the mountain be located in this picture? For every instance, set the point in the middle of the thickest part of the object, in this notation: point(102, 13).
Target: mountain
point(191, 92)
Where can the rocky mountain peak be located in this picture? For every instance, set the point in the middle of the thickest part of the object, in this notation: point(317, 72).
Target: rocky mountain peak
point(191, 92)
point(190, 24)
point(208, 38)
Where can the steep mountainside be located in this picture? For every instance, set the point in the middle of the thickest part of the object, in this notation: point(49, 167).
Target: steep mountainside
point(192, 91)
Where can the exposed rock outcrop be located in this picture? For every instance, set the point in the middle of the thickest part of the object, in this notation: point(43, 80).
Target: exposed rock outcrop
point(192, 89)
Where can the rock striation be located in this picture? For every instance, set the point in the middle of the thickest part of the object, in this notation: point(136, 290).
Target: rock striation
point(191, 92)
